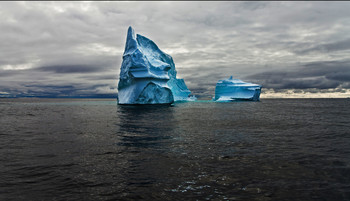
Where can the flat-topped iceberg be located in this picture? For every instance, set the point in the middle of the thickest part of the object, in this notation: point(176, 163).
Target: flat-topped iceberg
point(235, 89)
point(147, 74)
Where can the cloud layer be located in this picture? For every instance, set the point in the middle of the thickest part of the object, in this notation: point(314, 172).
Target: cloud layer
point(74, 49)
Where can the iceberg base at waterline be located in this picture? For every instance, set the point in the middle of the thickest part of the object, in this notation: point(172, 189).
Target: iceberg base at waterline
point(145, 92)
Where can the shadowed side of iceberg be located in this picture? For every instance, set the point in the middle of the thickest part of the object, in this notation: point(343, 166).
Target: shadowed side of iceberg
point(180, 90)
point(155, 94)
point(160, 59)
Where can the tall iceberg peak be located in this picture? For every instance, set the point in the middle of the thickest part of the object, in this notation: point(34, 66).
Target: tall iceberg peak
point(235, 89)
point(131, 43)
point(147, 74)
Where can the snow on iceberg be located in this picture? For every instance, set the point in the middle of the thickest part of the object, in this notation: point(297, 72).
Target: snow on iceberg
point(147, 74)
point(235, 89)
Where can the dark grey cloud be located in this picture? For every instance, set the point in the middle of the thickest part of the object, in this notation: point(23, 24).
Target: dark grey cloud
point(101, 77)
point(52, 91)
point(71, 68)
point(319, 75)
point(340, 76)
point(254, 5)
point(325, 48)
point(7, 73)
point(282, 45)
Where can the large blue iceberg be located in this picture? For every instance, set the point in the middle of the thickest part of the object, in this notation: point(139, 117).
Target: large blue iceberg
point(148, 75)
point(235, 89)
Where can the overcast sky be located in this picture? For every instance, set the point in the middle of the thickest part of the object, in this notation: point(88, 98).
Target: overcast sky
point(294, 49)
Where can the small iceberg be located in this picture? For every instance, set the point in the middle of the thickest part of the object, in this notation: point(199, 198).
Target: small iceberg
point(235, 90)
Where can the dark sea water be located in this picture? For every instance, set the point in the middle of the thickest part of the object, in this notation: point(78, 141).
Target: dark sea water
point(77, 149)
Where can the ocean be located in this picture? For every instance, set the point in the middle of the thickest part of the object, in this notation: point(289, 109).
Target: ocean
point(94, 149)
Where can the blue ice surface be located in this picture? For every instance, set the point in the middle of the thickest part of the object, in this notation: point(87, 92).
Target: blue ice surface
point(148, 75)
point(235, 89)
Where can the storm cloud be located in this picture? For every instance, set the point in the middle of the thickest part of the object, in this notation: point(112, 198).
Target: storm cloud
point(318, 75)
point(74, 49)
point(70, 68)
point(326, 48)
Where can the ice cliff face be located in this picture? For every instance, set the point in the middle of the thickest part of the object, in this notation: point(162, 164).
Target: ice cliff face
point(235, 89)
point(147, 74)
